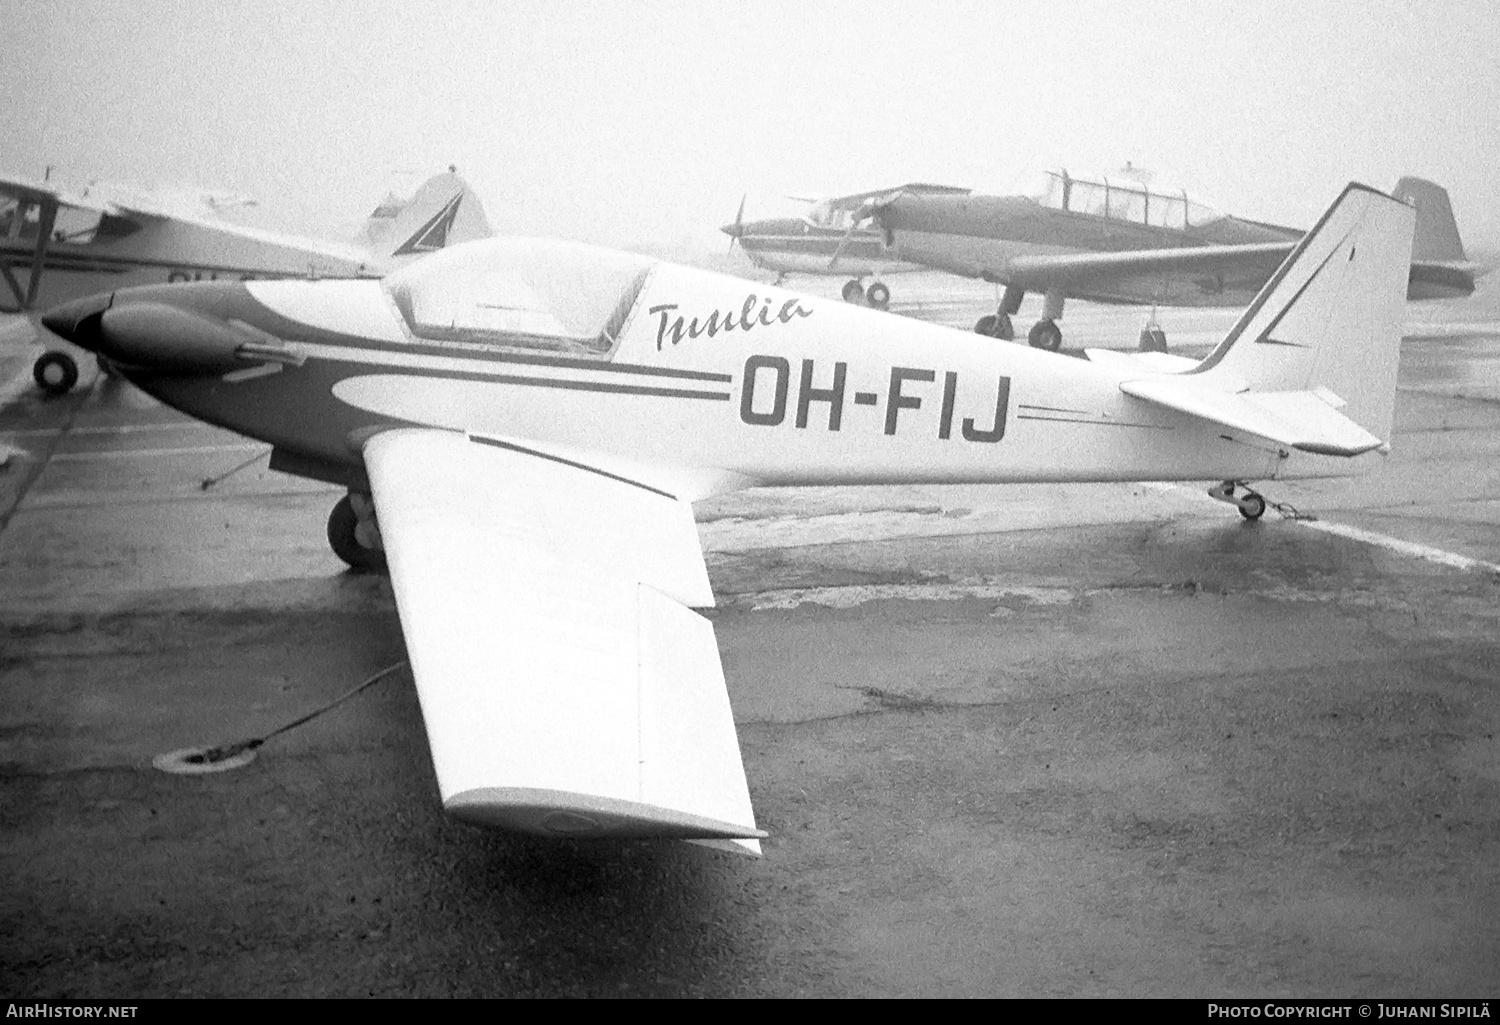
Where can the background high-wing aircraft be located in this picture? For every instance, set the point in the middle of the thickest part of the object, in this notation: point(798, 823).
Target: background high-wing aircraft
point(830, 239)
point(1115, 239)
point(522, 425)
point(57, 245)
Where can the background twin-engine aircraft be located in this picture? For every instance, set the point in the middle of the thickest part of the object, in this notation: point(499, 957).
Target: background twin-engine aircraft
point(57, 245)
point(1109, 239)
point(522, 426)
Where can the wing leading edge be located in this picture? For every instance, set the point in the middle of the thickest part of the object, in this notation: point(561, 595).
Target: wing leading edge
point(566, 688)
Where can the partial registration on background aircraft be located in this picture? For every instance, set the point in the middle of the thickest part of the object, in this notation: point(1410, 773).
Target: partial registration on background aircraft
point(58, 244)
point(522, 425)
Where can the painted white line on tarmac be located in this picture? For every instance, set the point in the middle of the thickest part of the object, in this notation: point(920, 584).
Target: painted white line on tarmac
point(1395, 544)
point(126, 453)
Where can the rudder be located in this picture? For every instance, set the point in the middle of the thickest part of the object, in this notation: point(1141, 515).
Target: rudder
point(1330, 319)
point(1437, 230)
point(443, 212)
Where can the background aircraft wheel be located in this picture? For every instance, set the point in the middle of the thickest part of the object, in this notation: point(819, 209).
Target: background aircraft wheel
point(853, 293)
point(995, 325)
point(342, 522)
point(878, 296)
point(55, 372)
point(1252, 506)
point(1045, 334)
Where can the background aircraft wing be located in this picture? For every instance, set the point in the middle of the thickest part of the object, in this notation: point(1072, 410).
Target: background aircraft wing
point(1082, 274)
point(566, 687)
point(29, 190)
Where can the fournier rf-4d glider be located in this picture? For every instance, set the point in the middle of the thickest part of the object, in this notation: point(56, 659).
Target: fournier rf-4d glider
point(57, 245)
point(522, 426)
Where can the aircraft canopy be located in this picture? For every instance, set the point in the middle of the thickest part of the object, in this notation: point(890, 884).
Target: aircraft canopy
point(1121, 198)
point(529, 293)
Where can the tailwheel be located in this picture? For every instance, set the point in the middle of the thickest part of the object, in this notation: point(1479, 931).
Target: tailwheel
point(1045, 334)
point(1250, 503)
point(878, 295)
point(55, 372)
point(353, 534)
point(853, 292)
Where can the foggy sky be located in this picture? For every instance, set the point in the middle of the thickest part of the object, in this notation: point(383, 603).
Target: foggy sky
point(642, 124)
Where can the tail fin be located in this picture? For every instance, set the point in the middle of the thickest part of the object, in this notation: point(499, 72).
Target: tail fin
point(1437, 231)
point(443, 212)
point(1329, 321)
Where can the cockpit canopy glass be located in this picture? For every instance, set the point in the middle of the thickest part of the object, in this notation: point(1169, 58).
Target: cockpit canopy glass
point(1121, 199)
point(825, 215)
point(526, 293)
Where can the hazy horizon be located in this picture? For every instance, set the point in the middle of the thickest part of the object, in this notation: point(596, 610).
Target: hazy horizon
point(641, 125)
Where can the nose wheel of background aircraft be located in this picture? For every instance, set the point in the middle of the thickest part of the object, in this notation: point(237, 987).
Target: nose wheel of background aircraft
point(1250, 504)
point(853, 292)
point(354, 535)
point(996, 325)
point(1045, 334)
point(55, 372)
point(878, 295)
point(1153, 339)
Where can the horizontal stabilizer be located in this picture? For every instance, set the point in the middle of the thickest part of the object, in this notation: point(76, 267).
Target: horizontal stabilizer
point(1306, 420)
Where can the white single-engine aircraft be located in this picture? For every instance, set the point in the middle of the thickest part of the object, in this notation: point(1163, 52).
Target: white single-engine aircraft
point(57, 245)
point(522, 425)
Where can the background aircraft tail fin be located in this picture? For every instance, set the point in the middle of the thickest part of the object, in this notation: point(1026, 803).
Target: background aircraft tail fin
point(1330, 319)
point(1437, 230)
point(443, 212)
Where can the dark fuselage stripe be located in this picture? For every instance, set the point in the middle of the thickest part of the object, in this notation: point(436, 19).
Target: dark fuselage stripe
point(543, 382)
point(453, 352)
point(568, 462)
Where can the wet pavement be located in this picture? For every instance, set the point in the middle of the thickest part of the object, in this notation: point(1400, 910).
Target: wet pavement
point(1007, 741)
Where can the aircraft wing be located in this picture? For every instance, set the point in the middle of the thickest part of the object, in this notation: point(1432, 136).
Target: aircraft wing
point(33, 191)
point(1083, 271)
point(1304, 420)
point(566, 687)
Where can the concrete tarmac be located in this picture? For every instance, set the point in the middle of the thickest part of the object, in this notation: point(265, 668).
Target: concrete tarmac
point(1104, 740)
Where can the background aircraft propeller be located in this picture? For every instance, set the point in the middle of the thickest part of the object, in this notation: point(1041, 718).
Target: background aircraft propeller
point(738, 227)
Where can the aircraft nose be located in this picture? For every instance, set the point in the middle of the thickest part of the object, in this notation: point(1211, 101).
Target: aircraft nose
point(154, 336)
point(74, 321)
point(734, 230)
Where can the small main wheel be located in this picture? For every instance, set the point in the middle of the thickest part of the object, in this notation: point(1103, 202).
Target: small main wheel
point(343, 538)
point(55, 372)
point(853, 293)
point(878, 295)
point(1045, 334)
point(1252, 506)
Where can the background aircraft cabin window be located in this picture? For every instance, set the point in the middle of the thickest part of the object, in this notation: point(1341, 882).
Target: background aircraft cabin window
point(1127, 204)
point(76, 226)
point(524, 293)
point(18, 219)
point(1088, 198)
point(1166, 211)
point(1050, 190)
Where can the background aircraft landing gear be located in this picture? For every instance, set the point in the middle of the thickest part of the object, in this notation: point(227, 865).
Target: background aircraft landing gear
point(996, 325)
point(878, 295)
point(55, 372)
point(354, 535)
point(853, 291)
point(1250, 504)
point(1045, 334)
point(1153, 338)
